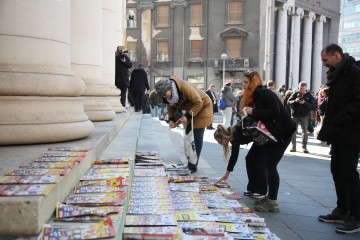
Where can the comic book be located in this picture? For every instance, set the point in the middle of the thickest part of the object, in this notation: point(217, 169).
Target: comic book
point(205, 187)
point(103, 176)
point(182, 179)
point(190, 207)
point(25, 190)
point(31, 172)
point(97, 189)
point(197, 224)
point(150, 220)
point(71, 149)
point(95, 171)
point(159, 233)
point(59, 159)
point(115, 182)
point(64, 154)
point(234, 227)
point(114, 160)
point(91, 218)
point(150, 195)
point(100, 199)
point(144, 210)
point(68, 211)
point(125, 165)
point(204, 231)
point(151, 202)
point(48, 165)
point(157, 172)
point(45, 179)
point(164, 179)
point(56, 233)
point(193, 216)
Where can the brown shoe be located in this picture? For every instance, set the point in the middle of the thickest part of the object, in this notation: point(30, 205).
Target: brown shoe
point(293, 149)
point(305, 150)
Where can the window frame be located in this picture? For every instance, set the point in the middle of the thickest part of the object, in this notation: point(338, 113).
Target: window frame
point(192, 21)
point(231, 9)
point(230, 51)
point(167, 24)
point(158, 55)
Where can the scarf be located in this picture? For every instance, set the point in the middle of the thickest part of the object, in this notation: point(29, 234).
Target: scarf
point(174, 94)
point(334, 73)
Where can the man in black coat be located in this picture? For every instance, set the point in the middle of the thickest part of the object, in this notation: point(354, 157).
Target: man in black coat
point(122, 65)
point(138, 83)
point(341, 129)
point(211, 93)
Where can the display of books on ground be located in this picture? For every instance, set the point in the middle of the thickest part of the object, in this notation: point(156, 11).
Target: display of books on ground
point(70, 149)
point(39, 179)
point(64, 154)
point(163, 233)
point(49, 165)
point(99, 199)
point(113, 160)
point(151, 220)
point(59, 159)
point(25, 190)
point(32, 172)
point(99, 230)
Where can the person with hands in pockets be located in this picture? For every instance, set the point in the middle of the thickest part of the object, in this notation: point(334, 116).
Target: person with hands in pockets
point(181, 96)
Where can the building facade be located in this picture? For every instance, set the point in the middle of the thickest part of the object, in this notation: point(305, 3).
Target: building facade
point(281, 40)
point(349, 31)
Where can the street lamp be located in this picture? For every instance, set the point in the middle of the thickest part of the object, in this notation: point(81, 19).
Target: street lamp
point(224, 56)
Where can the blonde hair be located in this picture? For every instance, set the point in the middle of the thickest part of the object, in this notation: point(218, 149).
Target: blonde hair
point(221, 132)
point(248, 97)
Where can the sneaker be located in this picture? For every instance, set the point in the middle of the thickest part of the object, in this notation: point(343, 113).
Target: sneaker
point(351, 226)
point(305, 150)
point(261, 200)
point(336, 216)
point(257, 195)
point(267, 206)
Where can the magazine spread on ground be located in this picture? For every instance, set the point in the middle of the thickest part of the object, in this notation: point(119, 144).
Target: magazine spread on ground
point(111, 182)
point(45, 179)
point(29, 172)
point(59, 159)
point(68, 211)
point(71, 149)
point(25, 190)
point(48, 165)
point(150, 220)
point(114, 160)
point(64, 154)
point(159, 233)
point(100, 199)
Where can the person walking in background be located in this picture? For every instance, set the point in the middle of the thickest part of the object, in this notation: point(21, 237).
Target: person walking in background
point(282, 89)
point(228, 95)
point(341, 129)
point(301, 103)
point(263, 105)
point(122, 65)
point(180, 95)
point(211, 93)
point(271, 85)
point(154, 101)
point(138, 84)
point(285, 101)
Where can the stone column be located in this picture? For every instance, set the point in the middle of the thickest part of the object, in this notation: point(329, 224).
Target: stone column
point(86, 57)
point(109, 45)
point(295, 52)
point(318, 46)
point(281, 46)
point(307, 48)
point(39, 100)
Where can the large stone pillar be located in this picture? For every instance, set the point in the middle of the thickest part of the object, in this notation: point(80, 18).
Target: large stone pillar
point(86, 57)
point(281, 46)
point(295, 47)
point(39, 100)
point(307, 48)
point(109, 44)
point(318, 46)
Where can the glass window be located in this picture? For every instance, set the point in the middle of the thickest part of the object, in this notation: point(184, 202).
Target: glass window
point(233, 47)
point(162, 16)
point(131, 17)
point(235, 12)
point(131, 46)
point(197, 81)
point(162, 51)
point(195, 49)
point(196, 14)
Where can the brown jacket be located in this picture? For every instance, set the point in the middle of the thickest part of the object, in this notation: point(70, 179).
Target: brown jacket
point(194, 101)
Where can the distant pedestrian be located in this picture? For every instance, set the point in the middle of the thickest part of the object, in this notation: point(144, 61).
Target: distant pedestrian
point(154, 101)
point(271, 85)
point(341, 129)
point(138, 84)
point(211, 93)
point(122, 65)
point(228, 95)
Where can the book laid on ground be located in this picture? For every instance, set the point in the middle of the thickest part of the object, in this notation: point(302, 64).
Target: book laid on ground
point(192, 216)
point(234, 227)
point(64, 154)
point(182, 179)
point(71, 149)
point(28, 172)
point(149, 195)
point(151, 220)
point(100, 199)
point(25, 190)
point(48, 165)
point(144, 210)
point(103, 176)
point(115, 182)
point(90, 219)
point(59, 159)
point(68, 211)
point(159, 233)
point(97, 189)
point(94, 171)
point(110, 166)
point(40, 179)
point(204, 231)
point(113, 160)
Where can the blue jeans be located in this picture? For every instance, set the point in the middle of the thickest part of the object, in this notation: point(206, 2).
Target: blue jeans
point(155, 111)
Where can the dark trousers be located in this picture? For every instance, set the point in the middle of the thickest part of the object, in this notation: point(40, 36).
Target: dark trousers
point(261, 167)
point(199, 139)
point(344, 163)
point(123, 95)
point(138, 99)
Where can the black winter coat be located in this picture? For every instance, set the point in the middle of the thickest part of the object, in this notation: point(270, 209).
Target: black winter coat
point(301, 110)
point(122, 71)
point(139, 80)
point(271, 111)
point(214, 101)
point(342, 116)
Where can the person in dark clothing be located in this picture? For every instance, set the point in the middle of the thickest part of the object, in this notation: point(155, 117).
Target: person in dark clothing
point(122, 65)
point(146, 104)
point(138, 84)
point(341, 129)
point(301, 103)
point(286, 97)
point(211, 93)
point(263, 105)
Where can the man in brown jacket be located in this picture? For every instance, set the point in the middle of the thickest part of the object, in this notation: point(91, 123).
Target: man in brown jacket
point(183, 97)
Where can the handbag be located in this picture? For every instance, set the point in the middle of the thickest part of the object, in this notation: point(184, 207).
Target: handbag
point(189, 143)
point(222, 103)
point(257, 130)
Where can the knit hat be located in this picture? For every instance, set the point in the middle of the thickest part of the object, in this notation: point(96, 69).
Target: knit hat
point(162, 86)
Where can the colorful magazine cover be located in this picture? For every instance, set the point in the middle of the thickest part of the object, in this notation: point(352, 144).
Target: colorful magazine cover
point(114, 160)
point(150, 195)
point(193, 216)
point(68, 211)
point(100, 199)
point(45, 179)
point(56, 233)
point(97, 189)
point(159, 233)
point(48, 165)
point(151, 202)
point(182, 179)
point(157, 172)
point(164, 179)
point(144, 210)
point(29, 172)
point(111, 182)
point(96, 166)
point(151, 220)
point(25, 190)
point(103, 176)
point(234, 227)
point(204, 231)
point(94, 171)
point(91, 218)
point(64, 154)
point(59, 159)
point(71, 149)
